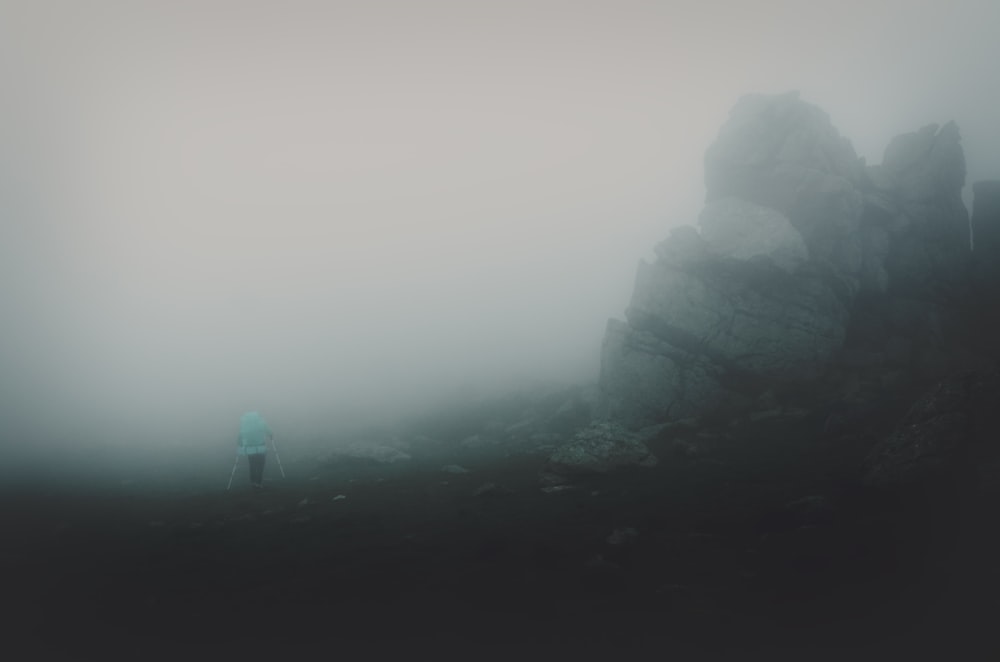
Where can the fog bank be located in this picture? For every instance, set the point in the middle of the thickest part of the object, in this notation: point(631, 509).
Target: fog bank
point(335, 211)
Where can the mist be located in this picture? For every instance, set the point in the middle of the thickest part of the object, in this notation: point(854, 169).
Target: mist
point(333, 212)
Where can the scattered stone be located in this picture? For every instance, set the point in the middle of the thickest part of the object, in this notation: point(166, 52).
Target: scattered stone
point(758, 416)
point(767, 400)
point(623, 536)
point(304, 502)
point(339, 497)
point(812, 509)
point(545, 438)
point(454, 469)
point(549, 479)
point(490, 489)
point(651, 432)
point(367, 452)
point(552, 489)
point(686, 448)
point(476, 441)
point(603, 576)
point(598, 561)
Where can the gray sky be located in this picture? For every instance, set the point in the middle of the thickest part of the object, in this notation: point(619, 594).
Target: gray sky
point(310, 208)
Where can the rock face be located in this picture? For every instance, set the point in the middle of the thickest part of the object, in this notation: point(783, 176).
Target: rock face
point(745, 316)
point(915, 197)
point(948, 435)
point(986, 233)
point(784, 154)
point(806, 267)
point(644, 378)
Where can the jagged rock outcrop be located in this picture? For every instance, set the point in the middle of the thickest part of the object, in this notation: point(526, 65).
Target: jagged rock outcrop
point(784, 154)
point(762, 292)
point(919, 320)
point(914, 200)
point(806, 267)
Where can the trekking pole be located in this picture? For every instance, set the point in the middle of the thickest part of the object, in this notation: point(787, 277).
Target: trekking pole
point(277, 457)
point(233, 472)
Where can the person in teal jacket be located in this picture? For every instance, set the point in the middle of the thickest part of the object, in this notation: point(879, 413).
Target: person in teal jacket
point(252, 442)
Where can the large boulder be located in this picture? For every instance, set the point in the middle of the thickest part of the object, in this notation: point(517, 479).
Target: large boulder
point(782, 153)
point(923, 174)
point(599, 449)
point(735, 228)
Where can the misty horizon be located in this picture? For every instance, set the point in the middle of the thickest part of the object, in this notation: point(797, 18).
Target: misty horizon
point(345, 213)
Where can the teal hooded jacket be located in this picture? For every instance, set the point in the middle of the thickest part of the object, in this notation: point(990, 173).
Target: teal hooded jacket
point(254, 434)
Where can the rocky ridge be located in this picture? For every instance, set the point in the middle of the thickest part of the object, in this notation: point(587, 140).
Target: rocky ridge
point(810, 277)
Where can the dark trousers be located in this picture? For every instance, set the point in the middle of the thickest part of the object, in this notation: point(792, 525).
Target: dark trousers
point(257, 468)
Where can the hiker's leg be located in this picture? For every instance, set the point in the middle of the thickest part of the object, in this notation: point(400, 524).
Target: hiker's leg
point(254, 468)
point(257, 468)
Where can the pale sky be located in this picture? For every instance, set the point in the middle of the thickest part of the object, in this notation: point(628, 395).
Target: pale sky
point(315, 208)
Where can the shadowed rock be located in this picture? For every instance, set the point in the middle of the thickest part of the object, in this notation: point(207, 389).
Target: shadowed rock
point(986, 235)
point(948, 435)
point(808, 270)
point(599, 449)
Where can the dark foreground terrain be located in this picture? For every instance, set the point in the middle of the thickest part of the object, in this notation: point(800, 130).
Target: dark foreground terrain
point(766, 547)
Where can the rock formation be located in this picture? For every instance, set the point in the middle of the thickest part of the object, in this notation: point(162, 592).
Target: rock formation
point(986, 233)
point(807, 269)
point(947, 437)
point(599, 449)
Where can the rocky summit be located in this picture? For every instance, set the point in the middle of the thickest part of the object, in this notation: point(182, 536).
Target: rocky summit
point(808, 274)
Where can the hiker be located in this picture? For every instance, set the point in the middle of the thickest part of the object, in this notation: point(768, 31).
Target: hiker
point(252, 442)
